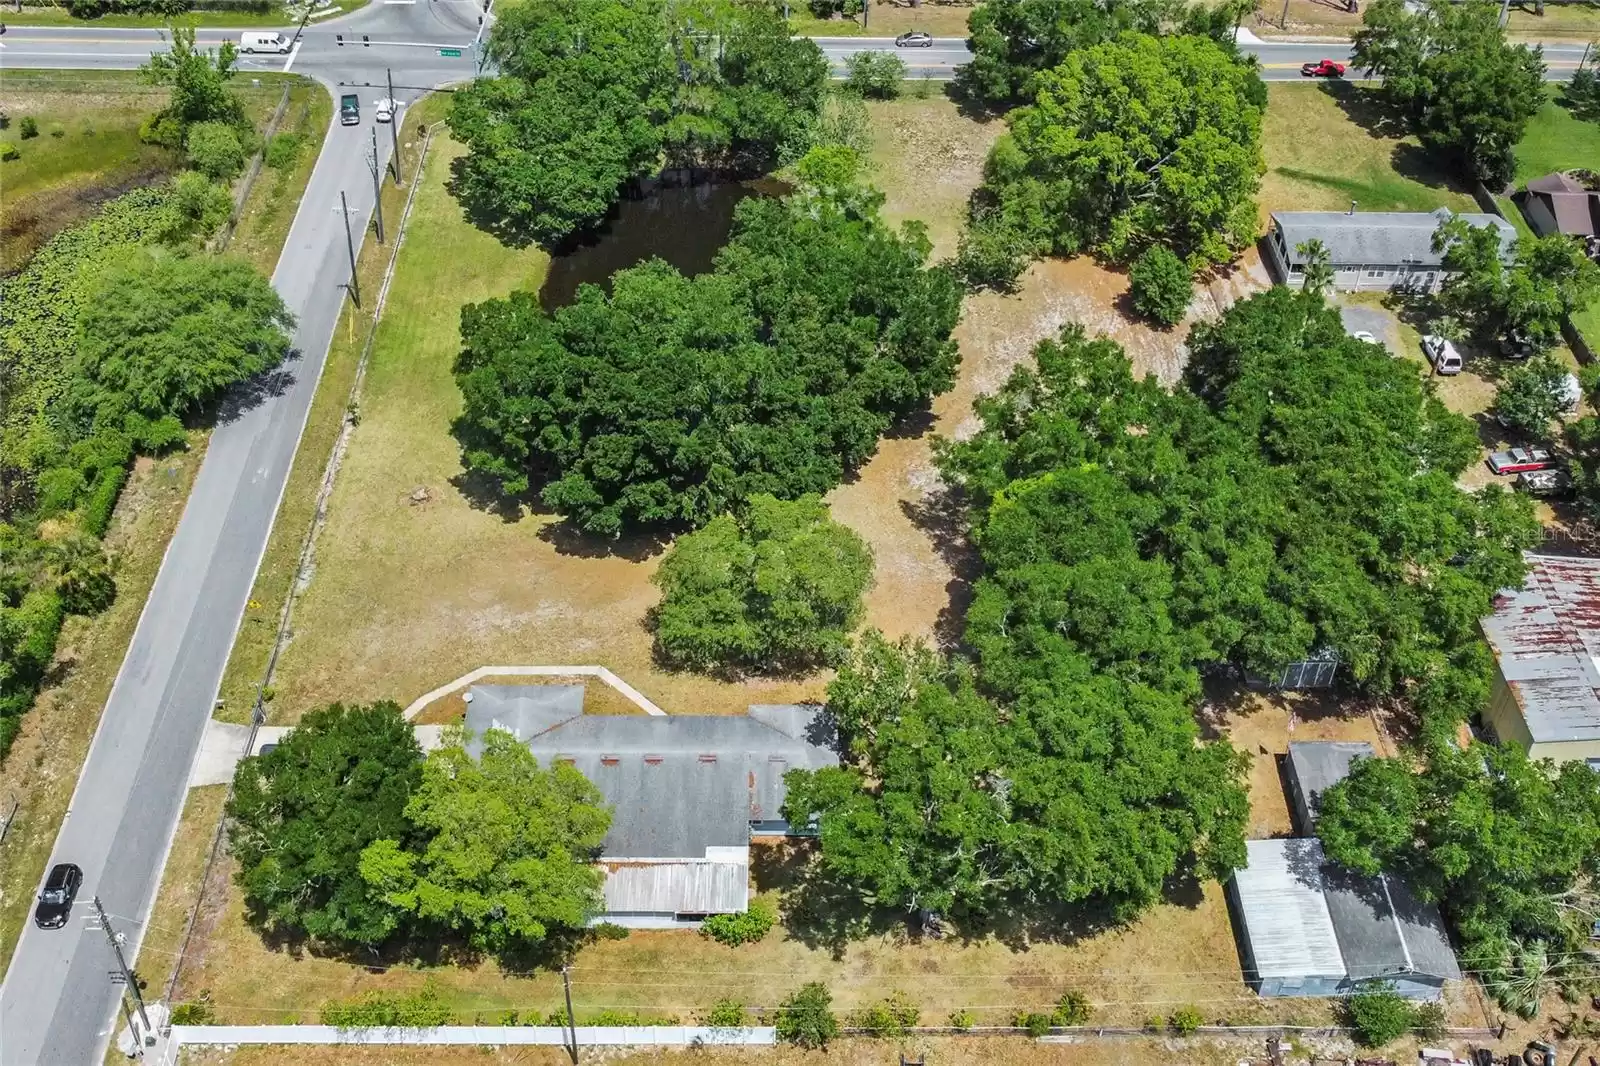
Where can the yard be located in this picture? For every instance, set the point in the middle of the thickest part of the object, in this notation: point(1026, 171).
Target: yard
point(1557, 139)
point(1575, 21)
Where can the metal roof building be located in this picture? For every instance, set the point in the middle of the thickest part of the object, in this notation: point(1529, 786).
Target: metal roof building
point(1370, 250)
point(1546, 636)
point(1314, 767)
point(687, 791)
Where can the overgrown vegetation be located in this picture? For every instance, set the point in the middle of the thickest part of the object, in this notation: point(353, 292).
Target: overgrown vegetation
point(1161, 286)
point(1520, 304)
point(745, 927)
point(806, 1017)
point(674, 399)
point(1532, 395)
point(422, 1009)
point(1380, 1015)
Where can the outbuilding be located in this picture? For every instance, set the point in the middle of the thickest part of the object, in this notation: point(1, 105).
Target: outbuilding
point(1314, 767)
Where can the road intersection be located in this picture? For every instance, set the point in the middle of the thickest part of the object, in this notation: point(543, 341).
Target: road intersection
point(57, 1003)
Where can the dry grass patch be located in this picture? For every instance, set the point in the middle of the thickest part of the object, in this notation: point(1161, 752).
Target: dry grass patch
point(180, 886)
point(928, 157)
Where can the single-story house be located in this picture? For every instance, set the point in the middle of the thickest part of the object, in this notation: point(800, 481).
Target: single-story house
point(1370, 251)
point(1545, 637)
point(688, 792)
point(1559, 203)
point(1306, 927)
point(1314, 767)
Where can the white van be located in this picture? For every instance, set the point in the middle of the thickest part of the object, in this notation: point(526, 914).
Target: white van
point(265, 42)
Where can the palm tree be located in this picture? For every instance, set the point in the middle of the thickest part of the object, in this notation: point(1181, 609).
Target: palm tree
point(1318, 269)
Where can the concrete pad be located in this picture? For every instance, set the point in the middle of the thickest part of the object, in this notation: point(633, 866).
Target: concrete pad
point(221, 748)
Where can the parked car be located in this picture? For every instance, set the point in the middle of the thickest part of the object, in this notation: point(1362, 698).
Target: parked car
point(1442, 354)
point(914, 39)
point(383, 109)
point(264, 42)
point(55, 899)
point(349, 110)
point(1326, 68)
point(1518, 460)
point(1544, 482)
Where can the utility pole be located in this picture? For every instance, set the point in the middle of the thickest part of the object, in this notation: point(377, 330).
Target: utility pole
point(394, 127)
point(1505, 12)
point(377, 184)
point(866, 11)
point(1283, 21)
point(122, 964)
point(572, 1026)
point(350, 246)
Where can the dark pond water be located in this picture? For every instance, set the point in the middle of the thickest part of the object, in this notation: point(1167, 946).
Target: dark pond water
point(684, 224)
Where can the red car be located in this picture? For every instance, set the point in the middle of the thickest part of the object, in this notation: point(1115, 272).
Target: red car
point(1325, 69)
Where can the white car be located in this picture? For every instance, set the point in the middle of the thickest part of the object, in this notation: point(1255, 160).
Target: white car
point(384, 109)
point(1442, 354)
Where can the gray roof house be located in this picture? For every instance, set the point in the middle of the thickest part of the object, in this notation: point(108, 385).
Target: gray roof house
point(1560, 203)
point(1314, 766)
point(1307, 927)
point(1369, 250)
point(688, 791)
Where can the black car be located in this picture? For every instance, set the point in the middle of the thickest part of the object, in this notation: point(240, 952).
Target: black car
point(914, 39)
point(55, 900)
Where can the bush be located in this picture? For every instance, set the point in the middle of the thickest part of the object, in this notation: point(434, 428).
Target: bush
point(1531, 395)
point(418, 1010)
point(1155, 1023)
point(1379, 1015)
point(727, 1013)
point(875, 74)
point(736, 929)
point(283, 150)
point(58, 131)
point(627, 1017)
point(29, 127)
point(1428, 1019)
point(1161, 285)
point(8, 152)
point(163, 130)
point(608, 931)
point(195, 1012)
point(214, 150)
point(1037, 1023)
point(962, 1019)
point(992, 254)
point(199, 205)
point(1073, 1008)
point(806, 1017)
point(1186, 1020)
point(890, 1017)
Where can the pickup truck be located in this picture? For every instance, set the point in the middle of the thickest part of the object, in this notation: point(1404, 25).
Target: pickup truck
point(349, 110)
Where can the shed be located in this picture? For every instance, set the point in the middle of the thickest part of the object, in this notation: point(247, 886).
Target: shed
point(1560, 203)
point(1314, 767)
point(1281, 920)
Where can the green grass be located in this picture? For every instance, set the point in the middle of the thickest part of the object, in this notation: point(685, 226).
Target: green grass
point(1319, 158)
point(1513, 215)
point(1557, 140)
point(1588, 323)
point(273, 17)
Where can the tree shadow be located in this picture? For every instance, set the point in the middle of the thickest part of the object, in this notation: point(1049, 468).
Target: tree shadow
point(568, 539)
point(1367, 107)
point(1422, 166)
point(942, 517)
point(480, 213)
point(483, 492)
point(248, 395)
point(970, 107)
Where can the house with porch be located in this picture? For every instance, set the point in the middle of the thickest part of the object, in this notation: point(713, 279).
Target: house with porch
point(1370, 251)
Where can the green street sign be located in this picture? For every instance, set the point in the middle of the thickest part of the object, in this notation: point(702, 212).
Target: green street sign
point(452, 53)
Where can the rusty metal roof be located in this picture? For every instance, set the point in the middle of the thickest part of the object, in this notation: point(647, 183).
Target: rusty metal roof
point(1546, 636)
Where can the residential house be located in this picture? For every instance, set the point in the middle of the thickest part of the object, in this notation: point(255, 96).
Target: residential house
point(1370, 251)
point(688, 792)
point(1560, 203)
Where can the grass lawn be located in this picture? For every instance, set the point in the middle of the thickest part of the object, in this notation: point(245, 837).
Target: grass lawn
point(1556, 140)
point(1578, 21)
point(1319, 158)
point(274, 17)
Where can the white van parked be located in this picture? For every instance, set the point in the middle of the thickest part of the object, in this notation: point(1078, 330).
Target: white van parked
point(265, 42)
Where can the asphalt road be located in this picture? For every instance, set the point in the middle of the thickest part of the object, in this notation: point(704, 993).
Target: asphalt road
point(57, 1002)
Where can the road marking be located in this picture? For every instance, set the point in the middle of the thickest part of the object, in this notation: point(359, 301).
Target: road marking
point(292, 53)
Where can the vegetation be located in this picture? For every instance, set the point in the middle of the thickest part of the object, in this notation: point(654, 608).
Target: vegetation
point(780, 587)
point(301, 815)
point(673, 399)
point(1521, 303)
point(892, 1016)
point(1532, 395)
point(1137, 142)
point(503, 849)
point(1073, 1008)
point(200, 96)
point(876, 75)
point(1379, 1015)
point(422, 1009)
point(734, 929)
point(1583, 442)
point(215, 151)
point(1505, 844)
point(1187, 1020)
point(591, 96)
point(727, 1013)
point(1448, 71)
point(806, 1017)
point(1161, 286)
point(1564, 134)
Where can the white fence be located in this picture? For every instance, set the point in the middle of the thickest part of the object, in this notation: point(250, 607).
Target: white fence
point(477, 1035)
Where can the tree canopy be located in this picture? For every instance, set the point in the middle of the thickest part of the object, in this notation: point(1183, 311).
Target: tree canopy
point(1520, 303)
point(506, 846)
point(1133, 142)
point(590, 96)
point(1507, 845)
point(777, 587)
point(199, 81)
point(1448, 70)
point(301, 814)
point(673, 399)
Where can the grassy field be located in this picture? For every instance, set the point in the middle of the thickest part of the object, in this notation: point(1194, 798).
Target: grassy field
point(1568, 21)
point(1320, 157)
point(273, 17)
point(1557, 140)
point(44, 763)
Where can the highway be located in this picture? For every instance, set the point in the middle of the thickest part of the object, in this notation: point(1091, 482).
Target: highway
point(57, 1002)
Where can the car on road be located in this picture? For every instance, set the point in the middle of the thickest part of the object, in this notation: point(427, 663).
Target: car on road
point(1442, 354)
point(1544, 482)
point(1519, 460)
point(250, 43)
point(1326, 68)
point(383, 109)
point(914, 39)
point(55, 899)
point(349, 110)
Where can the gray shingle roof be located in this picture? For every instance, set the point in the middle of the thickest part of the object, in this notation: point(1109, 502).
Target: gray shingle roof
point(1318, 765)
point(1376, 238)
point(1575, 209)
point(679, 784)
point(1384, 930)
point(1546, 636)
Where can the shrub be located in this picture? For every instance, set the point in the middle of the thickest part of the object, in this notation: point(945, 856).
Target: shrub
point(962, 1019)
point(1155, 1023)
point(627, 1017)
point(806, 1017)
point(163, 130)
point(214, 150)
point(1037, 1023)
point(58, 131)
point(736, 929)
point(5, 121)
point(608, 931)
point(1186, 1020)
point(283, 150)
point(1073, 1008)
point(889, 1017)
point(875, 74)
point(8, 152)
point(418, 1010)
point(199, 205)
point(727, 1013)
point(1161, 285)
point(1379, 1015)
point(195, 1012)
point(992, 254)
point(1428, 1019)
point(29, 127)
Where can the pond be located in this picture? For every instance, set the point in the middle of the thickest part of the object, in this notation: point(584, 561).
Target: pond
point(686, 225)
